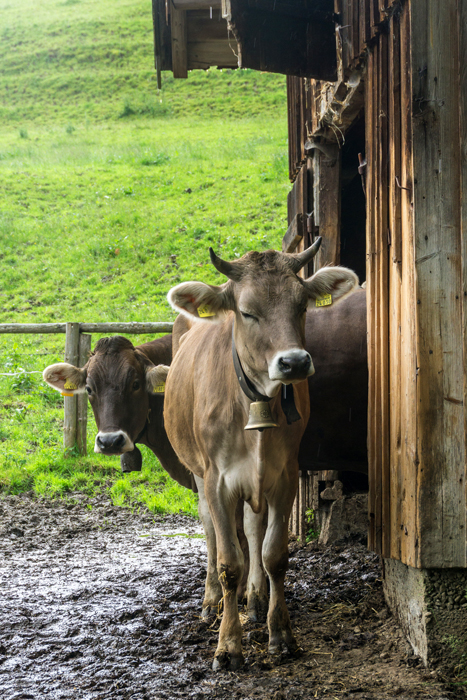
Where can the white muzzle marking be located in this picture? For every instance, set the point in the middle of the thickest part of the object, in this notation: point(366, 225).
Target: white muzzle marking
point(116, 442)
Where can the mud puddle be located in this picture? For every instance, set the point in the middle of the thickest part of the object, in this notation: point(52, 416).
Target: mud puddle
point(102, 602)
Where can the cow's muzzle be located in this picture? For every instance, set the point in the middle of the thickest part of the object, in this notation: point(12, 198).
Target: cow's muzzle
point(291, 365)
point(115, 443)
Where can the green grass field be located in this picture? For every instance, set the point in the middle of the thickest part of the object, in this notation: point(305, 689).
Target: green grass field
point(111, 193)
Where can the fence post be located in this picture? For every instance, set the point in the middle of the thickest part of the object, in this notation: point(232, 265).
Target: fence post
point(82, 399)
point(71, 356)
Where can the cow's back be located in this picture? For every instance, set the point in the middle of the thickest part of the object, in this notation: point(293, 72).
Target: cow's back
point(159, 351)
point(335, 437)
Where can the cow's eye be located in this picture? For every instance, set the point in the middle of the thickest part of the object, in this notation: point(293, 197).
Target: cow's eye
point(250, 316)
point(89, 390)
point(136, 386)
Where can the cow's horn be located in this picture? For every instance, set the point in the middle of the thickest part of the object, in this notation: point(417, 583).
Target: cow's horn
point(224, 267)
point(299, 260)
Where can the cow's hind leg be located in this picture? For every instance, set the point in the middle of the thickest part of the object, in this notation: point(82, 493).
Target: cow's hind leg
point(257, 592)
point(222, 505)
point(275, 560)
point(212, 589)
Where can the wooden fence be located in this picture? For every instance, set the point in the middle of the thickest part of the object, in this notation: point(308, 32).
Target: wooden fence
point(77, 350)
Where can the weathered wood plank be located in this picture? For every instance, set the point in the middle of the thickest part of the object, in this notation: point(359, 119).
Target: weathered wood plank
point(203, 55)
point(216, 5)
point(179, 42)
point(463, 163)
point(440, 390)
point(202, 27)
point(132, 327)
point(70, 408)
point(327, 211)
point(383, 288)
point(409, 456)
point(373, 495)
point(294, 234)
point(395, 280)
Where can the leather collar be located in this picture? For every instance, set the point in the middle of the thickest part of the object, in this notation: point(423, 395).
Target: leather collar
point(250, 391)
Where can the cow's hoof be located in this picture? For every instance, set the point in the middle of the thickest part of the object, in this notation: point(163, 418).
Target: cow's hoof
point(226, 662)
point(284, 648)
point(209, 611)
point(257, 609)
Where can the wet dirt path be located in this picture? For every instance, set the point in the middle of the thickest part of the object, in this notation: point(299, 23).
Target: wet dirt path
point(101, 602)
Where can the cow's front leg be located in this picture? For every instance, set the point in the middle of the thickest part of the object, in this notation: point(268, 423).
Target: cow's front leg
point(276, 559)
point(257, 591)
point(212, 588)
point(222, 506)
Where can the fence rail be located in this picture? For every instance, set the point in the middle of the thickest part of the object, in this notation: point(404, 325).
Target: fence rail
point(159, 327)
point(77, 349)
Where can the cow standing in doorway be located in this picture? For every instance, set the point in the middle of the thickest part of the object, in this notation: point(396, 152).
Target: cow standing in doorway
point(257, 320)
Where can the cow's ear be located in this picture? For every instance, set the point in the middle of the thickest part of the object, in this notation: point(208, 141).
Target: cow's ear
point(65, 378)
point(155, 379)
point(329, 285)
point(201, 302)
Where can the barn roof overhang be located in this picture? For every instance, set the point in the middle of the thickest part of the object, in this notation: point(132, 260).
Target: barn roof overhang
point(292, 37)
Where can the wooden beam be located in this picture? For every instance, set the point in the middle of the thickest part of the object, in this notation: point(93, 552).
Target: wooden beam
point(281, 43)
point(197, 4)
point(179, 43)
point(204, 54)
point(131, 327)
point(294, 233)
point(439, 284)
point(327, 206)
point(462, 146)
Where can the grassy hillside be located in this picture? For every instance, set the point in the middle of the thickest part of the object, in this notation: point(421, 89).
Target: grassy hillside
point(111, 193)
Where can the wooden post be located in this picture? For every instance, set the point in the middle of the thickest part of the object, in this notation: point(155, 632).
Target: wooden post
point(440, 450)
point(327, 205)
point(71, 356)
point(82, 399)
point(179, 43)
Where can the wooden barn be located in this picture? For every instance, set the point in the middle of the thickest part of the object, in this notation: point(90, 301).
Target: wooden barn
point(377, 110)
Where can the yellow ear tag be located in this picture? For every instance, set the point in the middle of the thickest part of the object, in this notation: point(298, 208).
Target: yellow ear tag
point(159, 388)
point(205, 310)
point(69, 385)
point(325, 300)
point(64, 393)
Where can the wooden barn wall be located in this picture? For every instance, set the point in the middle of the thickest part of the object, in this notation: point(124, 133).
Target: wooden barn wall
point(416, 286)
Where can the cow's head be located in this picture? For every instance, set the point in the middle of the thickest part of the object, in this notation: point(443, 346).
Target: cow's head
point(118, 379)
point(269, 301)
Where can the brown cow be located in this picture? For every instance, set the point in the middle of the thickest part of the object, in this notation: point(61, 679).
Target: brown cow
point(258, 315)
point(120, 381)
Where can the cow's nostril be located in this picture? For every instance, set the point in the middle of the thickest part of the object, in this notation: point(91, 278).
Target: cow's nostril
point(295, 365)
point(111, 441)
point(100, 441)
point(119, 441)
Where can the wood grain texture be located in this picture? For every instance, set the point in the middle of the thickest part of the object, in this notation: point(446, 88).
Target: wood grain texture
point(439, 284)
point(70, 408)
point(327, 191)
point(395, 282)
point(463, 165)
point(294, 234)
point(408, 530)
point(179, 42)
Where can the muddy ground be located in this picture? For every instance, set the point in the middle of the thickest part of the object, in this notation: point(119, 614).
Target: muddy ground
point(102, 602)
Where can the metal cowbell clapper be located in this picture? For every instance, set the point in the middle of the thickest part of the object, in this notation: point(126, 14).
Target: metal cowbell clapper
point(260, 416)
